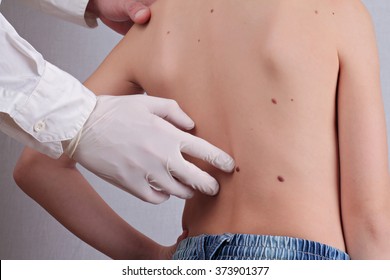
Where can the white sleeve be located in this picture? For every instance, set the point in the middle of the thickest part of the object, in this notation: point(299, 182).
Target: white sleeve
point(40, 105)
point(69, 10)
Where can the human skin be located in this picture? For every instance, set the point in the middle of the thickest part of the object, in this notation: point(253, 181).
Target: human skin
point(68, 197)
point(120, 15)
point(291, 90)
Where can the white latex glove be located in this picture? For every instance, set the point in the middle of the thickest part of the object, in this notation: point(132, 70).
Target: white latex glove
point(129, 141)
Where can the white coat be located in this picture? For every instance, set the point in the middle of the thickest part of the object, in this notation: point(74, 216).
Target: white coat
point(41, 105)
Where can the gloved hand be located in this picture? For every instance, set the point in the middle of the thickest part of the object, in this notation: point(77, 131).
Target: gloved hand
point(130, 142)
point(120, 15)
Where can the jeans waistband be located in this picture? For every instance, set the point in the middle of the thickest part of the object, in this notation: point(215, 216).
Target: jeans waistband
point(230, 246)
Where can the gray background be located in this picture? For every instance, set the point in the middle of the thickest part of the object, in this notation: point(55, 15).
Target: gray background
point(26, 230)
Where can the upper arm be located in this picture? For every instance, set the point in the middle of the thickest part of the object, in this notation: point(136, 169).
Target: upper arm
point(362, 127)
point(361, 118)
point(115, 75)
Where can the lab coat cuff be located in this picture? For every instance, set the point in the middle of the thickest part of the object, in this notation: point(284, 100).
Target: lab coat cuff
point(56, 110)
point(89, 19)
point(70, 10)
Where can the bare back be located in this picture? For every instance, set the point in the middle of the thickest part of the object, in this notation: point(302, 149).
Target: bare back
point(259, 78)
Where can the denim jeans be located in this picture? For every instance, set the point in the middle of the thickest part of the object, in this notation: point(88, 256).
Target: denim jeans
point(254, 247)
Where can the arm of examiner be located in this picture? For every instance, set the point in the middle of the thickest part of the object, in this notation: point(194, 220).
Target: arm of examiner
point(46, 109)
point(40, 105)
point(365, 183)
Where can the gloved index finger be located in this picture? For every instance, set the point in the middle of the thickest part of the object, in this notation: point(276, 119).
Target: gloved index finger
point(199, 148)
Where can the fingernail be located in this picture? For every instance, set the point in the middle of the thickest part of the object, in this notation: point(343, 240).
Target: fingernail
point(141, 13)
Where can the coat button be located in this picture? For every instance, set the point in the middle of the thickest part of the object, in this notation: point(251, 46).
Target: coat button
point(39, 126)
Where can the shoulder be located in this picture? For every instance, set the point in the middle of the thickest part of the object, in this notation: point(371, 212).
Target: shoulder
point(354, 24)
point(349, 5)
point(351, 13)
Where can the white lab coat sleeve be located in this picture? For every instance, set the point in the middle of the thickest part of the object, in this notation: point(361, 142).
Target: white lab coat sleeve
point(69, 10)
point(40, 105)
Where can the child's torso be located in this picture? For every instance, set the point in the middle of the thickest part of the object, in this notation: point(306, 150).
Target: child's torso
point(260, 79)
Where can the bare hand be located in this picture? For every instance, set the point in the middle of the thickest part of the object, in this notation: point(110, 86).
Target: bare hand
point(120, 15)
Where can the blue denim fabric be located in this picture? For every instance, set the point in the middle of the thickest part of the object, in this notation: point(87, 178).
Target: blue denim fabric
point(254, 247)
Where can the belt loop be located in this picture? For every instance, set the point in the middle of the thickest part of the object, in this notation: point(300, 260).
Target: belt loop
point(219, 242)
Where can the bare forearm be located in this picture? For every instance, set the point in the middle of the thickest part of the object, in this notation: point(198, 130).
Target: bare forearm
point(115, 75)
point(68, 197)
point(367, 229)
point(370, 244)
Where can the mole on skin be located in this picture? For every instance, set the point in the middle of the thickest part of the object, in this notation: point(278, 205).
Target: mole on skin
point(238, 169)
point(316, 12)
point(212, 11)
point(274, 101)
point(280, 179)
